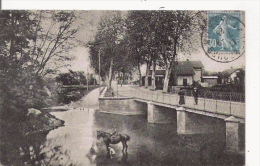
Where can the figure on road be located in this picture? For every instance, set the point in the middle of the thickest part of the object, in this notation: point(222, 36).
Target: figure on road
point(181, 94)
point(195, 94)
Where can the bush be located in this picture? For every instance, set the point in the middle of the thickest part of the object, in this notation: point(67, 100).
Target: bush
point(228, 88)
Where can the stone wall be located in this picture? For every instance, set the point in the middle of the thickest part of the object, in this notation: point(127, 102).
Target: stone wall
point(121, 105)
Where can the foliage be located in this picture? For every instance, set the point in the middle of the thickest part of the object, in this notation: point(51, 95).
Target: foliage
point(72, 78)
point(30, 43)
point(54, 37)
point(18, 83)
point(107, 44)
point(91, 79)
point(147, 37)
point(240, 78)
point(135, 35)
point(159, 36)
point(180, 32)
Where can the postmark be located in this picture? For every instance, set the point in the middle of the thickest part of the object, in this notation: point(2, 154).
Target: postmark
point(224, 39)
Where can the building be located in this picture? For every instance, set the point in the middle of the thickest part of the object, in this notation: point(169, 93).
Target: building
point(188, 72)
point(209, 81)
point(229, 75)
point(159, 78)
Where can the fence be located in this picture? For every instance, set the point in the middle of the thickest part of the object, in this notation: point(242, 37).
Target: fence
point(212, 105)
point(227, 96)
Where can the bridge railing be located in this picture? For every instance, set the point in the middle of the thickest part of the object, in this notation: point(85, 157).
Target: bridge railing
point(229, 108)
point(218, 95)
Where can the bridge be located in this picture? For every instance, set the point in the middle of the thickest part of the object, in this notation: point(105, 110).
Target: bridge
point(209, 107)
point(208, 115)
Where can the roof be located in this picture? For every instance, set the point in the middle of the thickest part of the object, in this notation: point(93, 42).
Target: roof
point(187, 67)
point(183, 68)
point(196, 64)
point(210, 77)
point(157, 72)
point(228, 72)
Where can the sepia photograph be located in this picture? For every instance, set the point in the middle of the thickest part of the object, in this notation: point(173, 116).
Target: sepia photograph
point(123, 87)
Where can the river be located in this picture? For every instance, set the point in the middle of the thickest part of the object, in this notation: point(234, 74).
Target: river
point(150, 144)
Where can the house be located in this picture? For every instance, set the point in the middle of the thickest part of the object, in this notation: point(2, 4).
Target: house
point(209, 81)
point(159, 78)
point(229, 75)
point(188, 72)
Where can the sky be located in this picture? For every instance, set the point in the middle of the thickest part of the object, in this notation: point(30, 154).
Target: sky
point(89, 22)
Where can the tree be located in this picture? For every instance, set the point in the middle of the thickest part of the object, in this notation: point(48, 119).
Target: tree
point(54, 36)
point(17, 31)
point(135, 35)
point(141, 31)
point(29, 41)
point(108, 37)
point(161, 35)
point(135, 41)
point(179, 32)
point(72, 78)
point(18, 83)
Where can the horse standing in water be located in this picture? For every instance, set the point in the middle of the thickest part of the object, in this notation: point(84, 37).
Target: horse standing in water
point(114, 139)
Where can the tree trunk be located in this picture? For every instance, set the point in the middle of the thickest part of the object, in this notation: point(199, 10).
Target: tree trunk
point(153, 75)
point(174, 74)
point(166, 79)
point(110, 72)
point(146, 76)
point(140, 75)
point(174, 63)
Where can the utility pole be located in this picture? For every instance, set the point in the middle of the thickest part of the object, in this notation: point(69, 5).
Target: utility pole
point(87, 79)
point(99, 70)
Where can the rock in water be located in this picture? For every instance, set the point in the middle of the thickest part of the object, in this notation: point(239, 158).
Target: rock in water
point(39, 121)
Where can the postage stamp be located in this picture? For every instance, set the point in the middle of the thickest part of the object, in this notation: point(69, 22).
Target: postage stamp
point(225, 37)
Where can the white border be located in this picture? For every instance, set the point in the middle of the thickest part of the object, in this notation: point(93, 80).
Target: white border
point(251, 8)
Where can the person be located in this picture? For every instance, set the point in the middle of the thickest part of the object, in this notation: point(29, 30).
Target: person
point(113, 135)
point(195, 94)
point(181, 94)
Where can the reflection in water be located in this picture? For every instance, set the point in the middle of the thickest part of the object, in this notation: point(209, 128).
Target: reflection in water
point(31, 150)
point(150, 144)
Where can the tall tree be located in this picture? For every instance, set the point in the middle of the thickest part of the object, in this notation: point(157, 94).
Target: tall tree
point(179, 33)
point(17, 31)
point(17, 79)
point(54, 37)
point(30, 41)
point(136, 43)
point(109, 35)
point(141, 32)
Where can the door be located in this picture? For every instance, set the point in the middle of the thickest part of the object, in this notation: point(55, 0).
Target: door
point(185, 82)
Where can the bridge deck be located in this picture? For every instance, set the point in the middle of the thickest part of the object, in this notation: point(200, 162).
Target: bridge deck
point(210, 107)
point(201, 112)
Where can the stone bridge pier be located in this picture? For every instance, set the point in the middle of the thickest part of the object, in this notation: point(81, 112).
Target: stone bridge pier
point(159, 114)
point(192, 123)
point(187, 121)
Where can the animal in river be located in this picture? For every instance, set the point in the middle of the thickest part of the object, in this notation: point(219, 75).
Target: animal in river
point(113, 139)
point(111, 152)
